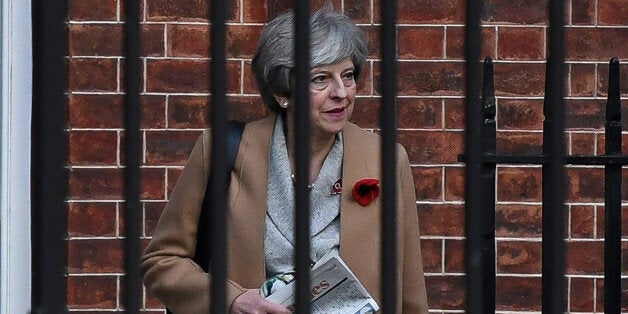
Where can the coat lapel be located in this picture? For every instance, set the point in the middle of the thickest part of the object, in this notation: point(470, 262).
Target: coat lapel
point(248, 192)
point(360, 225)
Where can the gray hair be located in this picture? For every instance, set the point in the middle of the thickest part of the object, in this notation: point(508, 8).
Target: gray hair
point(333, 37)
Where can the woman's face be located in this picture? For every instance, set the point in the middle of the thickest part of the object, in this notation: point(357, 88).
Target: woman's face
point(332, 96)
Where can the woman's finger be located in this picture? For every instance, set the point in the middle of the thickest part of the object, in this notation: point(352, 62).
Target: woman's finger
point(273, 308)
point(251, 302)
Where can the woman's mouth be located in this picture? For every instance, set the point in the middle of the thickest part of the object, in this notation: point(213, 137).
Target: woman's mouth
point(336, 112)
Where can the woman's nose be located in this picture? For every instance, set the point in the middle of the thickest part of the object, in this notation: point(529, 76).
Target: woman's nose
point(339, 90)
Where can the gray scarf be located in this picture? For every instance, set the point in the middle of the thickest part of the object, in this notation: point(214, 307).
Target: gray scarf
point(279, 241)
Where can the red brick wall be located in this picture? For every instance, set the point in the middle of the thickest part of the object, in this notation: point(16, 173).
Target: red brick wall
point(174, 96)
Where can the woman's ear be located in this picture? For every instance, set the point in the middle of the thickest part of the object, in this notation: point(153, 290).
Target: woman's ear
point(282, 101)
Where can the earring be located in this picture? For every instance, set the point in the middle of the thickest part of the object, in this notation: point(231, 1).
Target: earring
point(283, 104)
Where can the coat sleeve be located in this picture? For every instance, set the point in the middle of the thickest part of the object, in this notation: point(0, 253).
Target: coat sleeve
point(167, 266)
point(414, 297)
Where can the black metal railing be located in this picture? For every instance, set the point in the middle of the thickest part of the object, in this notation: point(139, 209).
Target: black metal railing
point(133, 160)
point(554, 294)
point(302, 154)
point(217, 183)
point(479, 297)
point(481, 158)
point(388, 124)
point(51, 178)
point(50, 153)
point(612, 193)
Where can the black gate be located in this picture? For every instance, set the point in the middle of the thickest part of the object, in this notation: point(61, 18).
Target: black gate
point(481, 233)
point(481, 159)
point(50, 176)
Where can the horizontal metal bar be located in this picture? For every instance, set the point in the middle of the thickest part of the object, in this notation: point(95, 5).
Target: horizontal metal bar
point(542, 159)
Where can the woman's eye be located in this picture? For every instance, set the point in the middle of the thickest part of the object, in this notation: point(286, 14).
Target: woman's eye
point(319, 79)
point(319, 82)
point(348, 78)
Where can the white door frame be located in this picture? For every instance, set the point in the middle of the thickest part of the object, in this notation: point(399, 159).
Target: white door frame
point(15, 157)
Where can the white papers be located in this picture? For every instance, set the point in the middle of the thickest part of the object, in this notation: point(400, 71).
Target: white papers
point(334, 289)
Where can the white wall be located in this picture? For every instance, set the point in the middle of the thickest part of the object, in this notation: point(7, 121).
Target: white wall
point(15, 239)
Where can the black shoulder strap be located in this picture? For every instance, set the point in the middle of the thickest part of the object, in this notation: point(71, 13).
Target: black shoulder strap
point(234, 135)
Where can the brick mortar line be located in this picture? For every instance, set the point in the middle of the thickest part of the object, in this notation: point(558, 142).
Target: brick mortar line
point(418, 202)
point(456, 165)
point(142, 129)
point(100, 238)
point(514, 203)
point(595, 11)
point(624, 204)
point(160, 58)
point(94, 129)
point(440, 203)
point(96, 167)
point(497, 239)
point(360, 96)
point(96, 274)
point(400, 25)
point(592, 131)
point(443, 253)
point(122, 167)
point(444, 274)
point(431, 237)
point(429, 130)
point(95, 93)
point(400, 60)
point(171, 94)
point(538, 239)
point(418, 97)
point(191, 23)
point(89, 309)
point(579, 131)
point(78, 201)
point(421, 165)
point(119, 10)
point(518, 275)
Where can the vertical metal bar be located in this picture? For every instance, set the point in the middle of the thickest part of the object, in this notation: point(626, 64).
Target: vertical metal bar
point(487, 226)
point(133, 159)
point(302, 153)
point(612, 195)
point(50, 178)
point(473, 153)
point(217, 182)
point(388, 122)
point(553, 260)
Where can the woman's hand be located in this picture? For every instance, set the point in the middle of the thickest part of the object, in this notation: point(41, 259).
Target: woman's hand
point(251, 302)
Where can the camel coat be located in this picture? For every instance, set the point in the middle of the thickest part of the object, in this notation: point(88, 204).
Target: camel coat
point(171, 275)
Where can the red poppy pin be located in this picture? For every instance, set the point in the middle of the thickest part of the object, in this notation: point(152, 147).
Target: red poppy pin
point(365, 191)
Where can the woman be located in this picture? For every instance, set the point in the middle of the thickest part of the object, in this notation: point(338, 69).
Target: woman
point(260, 218)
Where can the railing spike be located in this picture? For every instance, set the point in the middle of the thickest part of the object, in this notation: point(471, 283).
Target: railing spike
point(488, 90)
point(613, 104)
